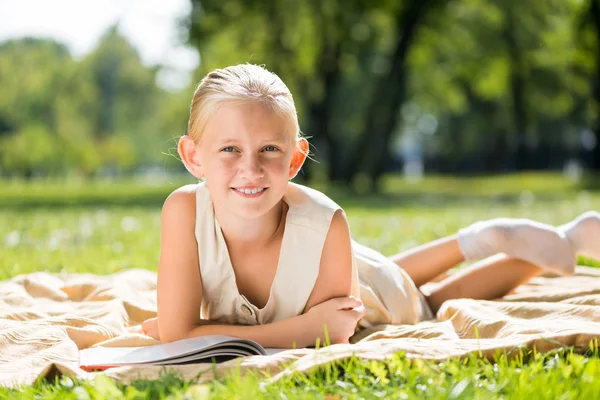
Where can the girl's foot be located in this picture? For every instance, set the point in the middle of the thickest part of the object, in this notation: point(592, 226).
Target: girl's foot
point(584, 234)
point(540, 244)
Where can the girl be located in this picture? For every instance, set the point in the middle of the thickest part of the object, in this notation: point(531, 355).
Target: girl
point(247, 253)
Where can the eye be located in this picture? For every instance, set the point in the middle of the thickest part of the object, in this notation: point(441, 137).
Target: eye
point(228, 149)
point(270, 148)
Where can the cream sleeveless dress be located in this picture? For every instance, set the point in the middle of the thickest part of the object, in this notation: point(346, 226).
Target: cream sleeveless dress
point(388, 293)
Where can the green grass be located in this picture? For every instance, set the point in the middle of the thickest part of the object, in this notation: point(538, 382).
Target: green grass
point(103, 228)
point(529, 375)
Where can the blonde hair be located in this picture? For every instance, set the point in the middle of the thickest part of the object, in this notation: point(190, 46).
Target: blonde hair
point(243, 83)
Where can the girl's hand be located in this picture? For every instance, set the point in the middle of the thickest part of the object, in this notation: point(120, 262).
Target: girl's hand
point(340, 315)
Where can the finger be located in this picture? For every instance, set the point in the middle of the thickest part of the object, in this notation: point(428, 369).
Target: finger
point(357, 313)
point(361, 309)
point(347, 302)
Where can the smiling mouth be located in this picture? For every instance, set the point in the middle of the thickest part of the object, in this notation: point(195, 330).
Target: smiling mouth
point(253, 192)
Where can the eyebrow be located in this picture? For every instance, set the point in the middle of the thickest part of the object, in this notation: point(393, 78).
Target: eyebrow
point(280, 139)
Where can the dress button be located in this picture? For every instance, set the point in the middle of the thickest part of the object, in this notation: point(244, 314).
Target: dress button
point(246, 310)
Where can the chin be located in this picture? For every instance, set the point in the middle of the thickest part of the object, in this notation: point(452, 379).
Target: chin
point(251, 209)
point(249, 212)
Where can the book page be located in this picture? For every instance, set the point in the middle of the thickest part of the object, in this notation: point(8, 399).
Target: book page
point(271, 350)
point(150, 354)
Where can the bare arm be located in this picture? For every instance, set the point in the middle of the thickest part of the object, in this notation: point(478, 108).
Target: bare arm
point(335, 269)
point(294, 332)
point(340, 315)
point(179, 287)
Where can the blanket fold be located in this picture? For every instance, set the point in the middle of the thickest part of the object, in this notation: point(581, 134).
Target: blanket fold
point(45, 319)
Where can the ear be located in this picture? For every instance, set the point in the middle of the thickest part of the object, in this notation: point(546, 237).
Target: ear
point(190, 156)
point(298, 157)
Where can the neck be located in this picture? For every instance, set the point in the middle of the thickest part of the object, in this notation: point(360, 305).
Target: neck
point(257, 232)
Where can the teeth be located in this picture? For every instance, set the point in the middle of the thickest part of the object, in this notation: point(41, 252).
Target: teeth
point(250, 191)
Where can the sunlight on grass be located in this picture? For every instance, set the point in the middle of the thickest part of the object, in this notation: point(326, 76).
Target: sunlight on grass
point(107, 228)
point(525, 374)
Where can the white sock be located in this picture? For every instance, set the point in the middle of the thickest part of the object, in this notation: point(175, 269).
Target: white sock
point(540, 244)
point(584, 234)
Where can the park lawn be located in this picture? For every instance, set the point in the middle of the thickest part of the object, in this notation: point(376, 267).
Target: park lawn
point(103, 228)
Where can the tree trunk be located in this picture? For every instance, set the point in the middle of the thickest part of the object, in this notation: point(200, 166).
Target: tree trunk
point(517, 91)
point(322, 112)
point(595, 17)
point(278, 58)
point(107, 80)
point(372, 146)
point(321, 109)
point(493, 157)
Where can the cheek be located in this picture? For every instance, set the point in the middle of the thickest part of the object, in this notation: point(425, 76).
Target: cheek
point(219, 174)
point(222, 166)
point(277, 165)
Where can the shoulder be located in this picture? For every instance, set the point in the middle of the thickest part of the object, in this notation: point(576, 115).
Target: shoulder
point(304, 195)
point(339, 222)
point(335, 272)
point(182, 197)
point(309, 206)
point(338, 236)
point(180, 205)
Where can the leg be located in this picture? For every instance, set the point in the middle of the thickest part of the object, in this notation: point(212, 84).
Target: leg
point(488, 279)
point(499, 274)
point(538, 244)
point(584, 234)
point(425, 262)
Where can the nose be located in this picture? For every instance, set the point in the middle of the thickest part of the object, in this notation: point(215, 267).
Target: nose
point(251, 168)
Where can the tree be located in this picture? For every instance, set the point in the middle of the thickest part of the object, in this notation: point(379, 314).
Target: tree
point(77, 115)
point(306, 43)
point(498, 76)
point(28, 105)
point(390, 93)
point(590, 37)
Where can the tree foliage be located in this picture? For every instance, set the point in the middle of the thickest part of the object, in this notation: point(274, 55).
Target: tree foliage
point(60, 115)
point(467, 85)
point(500, 81)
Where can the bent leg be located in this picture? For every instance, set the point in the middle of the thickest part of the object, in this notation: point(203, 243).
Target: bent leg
point(537, 243)
point(488, 279)
point(425, 262)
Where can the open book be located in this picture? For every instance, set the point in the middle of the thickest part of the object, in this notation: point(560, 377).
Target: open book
point(186, 351)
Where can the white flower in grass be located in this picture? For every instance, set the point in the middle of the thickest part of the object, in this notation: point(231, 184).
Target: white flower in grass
point(57, 237)
point(130, 224)
point(13, 239)
point(86, 227)
point(117, 247)
point(101, 217)
point(526, 198)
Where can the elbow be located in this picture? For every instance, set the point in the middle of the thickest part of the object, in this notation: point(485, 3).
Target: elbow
point(173, 335)
point(170, 334)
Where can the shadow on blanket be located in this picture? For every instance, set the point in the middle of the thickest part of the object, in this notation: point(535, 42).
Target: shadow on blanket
point(46, 318)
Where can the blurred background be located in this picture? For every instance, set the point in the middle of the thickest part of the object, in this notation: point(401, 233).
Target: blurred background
point(424, 115)
point(100, 89)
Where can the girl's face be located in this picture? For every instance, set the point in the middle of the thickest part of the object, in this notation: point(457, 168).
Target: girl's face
point(245, 154)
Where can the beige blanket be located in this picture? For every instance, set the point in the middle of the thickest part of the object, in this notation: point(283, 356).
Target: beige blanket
point(46, 318)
